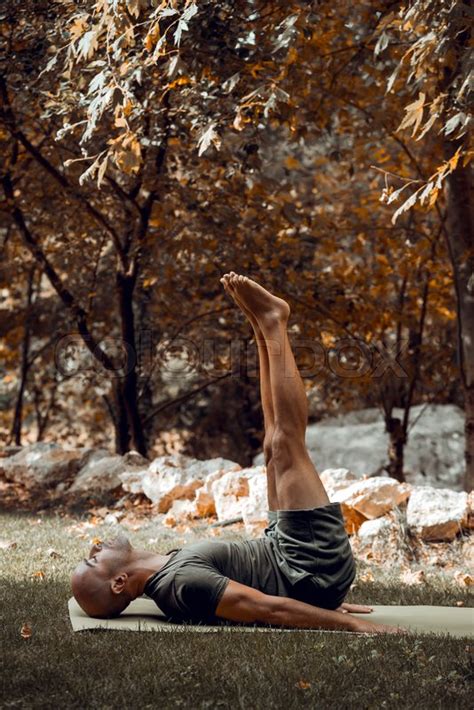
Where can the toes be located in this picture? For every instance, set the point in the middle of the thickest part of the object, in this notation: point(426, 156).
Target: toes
point(225, 280)
point(226, 284)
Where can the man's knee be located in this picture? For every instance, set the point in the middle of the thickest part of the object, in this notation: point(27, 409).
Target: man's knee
point(285, 445)
point(267, 446)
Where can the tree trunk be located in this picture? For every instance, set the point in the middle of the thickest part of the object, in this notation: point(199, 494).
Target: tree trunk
point(128, 383)
point(15, 433)
point(396, 448)
point(148, 333)
point(120, 419)
point(461, 250)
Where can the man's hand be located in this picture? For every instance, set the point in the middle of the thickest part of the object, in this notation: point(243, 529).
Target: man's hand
point(354, 609)
point(368, 627)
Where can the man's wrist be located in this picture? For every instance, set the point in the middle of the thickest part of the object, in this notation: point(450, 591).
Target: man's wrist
point(293, 613)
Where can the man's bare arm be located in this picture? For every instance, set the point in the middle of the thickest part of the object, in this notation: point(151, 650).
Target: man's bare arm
point(248, 605)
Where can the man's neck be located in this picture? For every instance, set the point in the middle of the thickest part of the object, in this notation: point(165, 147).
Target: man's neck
point(142, 566)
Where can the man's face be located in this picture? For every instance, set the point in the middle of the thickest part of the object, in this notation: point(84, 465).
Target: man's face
point(104, 556)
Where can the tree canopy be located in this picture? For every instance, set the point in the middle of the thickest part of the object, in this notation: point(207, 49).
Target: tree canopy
point(150, 146)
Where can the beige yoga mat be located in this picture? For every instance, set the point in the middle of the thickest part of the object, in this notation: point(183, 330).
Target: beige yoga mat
point(143, 615)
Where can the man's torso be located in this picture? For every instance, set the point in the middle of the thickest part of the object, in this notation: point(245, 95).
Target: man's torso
point(190, 584)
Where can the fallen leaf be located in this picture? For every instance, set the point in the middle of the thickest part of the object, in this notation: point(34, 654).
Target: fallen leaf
point(96, 541)
point(7, 545)
point(38, 575)
point(417, 577)
point(460, 603)
point(51, 552)
point(465, 580)
point(26, 631)
point(303, 684)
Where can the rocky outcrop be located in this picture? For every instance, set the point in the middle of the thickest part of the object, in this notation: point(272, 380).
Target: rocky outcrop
point(380, 536)
point(174, 477)
point(373, 497)
point(255, 507)
point(374, 530)
point(44, 465)
point(229, 491)
point(336, 479)
point(185, 488)
point(102, 472)
point(434, 514)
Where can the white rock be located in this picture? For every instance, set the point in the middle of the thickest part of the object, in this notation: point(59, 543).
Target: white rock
point(373, 497)
point(133, 481)
point(470, 510)
point(335, 479)
point(437, 514)
point(373, 530)
point(255, 506)
point(434, 454)
point(182, 508)
point(231, 490)
point(204, 502)
point(133, 458)
point(168, 477)
point(43, 464)
point(102, 473)
point(209, 480)
point(228, 492)
point(203, 469)
point(173, 477)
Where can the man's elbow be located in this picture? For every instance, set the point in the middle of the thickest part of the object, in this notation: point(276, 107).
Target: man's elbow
point(249, 609)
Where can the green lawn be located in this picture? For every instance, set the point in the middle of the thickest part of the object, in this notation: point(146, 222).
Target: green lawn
point(56, 668)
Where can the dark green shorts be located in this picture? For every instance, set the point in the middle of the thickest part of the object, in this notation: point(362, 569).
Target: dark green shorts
point(314, 553)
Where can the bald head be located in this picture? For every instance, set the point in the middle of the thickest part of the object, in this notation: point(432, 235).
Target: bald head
point(101, 583)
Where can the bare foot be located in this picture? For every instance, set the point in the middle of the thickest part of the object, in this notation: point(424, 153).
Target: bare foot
point(225, 280)
point(267, 308)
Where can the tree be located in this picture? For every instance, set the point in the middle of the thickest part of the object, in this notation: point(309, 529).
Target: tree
point(268, 120)
point(437, 66)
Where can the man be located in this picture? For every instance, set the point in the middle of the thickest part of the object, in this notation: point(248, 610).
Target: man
point(298, 573)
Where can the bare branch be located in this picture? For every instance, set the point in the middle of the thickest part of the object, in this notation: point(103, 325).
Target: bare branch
point(78, 313)
point(184, 397)
point(9, 121)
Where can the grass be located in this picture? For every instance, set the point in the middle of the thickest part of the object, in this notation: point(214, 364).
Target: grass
point(57, 668)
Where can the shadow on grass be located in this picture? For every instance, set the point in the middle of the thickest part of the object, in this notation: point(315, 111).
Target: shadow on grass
point(97, 669)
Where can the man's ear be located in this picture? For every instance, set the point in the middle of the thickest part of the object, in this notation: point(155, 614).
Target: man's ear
point(117, 584)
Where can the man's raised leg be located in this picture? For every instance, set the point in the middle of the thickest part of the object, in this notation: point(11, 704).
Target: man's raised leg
point(265, 391)
point(298, 485)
